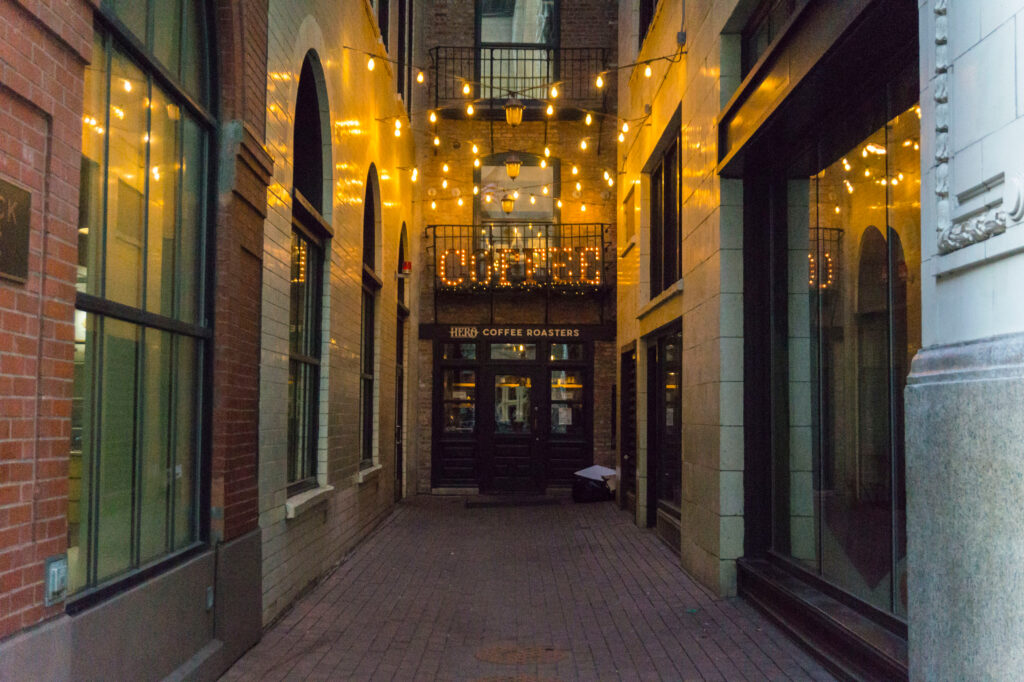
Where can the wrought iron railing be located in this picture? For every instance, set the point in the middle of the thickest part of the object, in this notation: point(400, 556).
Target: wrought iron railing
point(520, 257)
point(496, 70)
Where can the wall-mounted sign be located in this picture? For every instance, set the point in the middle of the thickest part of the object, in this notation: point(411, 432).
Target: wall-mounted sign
point(15, 209)
point(511, 267)
point(517, 332)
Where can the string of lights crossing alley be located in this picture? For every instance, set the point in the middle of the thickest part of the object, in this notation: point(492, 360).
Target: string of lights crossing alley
point(514, 109)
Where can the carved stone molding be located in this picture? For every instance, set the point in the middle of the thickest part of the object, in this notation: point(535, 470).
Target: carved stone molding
point(975, 229)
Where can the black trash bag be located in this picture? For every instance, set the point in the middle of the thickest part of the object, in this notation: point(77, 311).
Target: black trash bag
point(589, 490)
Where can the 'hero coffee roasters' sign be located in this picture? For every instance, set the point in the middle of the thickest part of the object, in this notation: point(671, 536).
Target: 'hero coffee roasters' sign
point(15, 209)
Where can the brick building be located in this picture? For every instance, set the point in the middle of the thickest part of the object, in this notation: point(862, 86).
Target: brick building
point(516, 256)
point(134, 168)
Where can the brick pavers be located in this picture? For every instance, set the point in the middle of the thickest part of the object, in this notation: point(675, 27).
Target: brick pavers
point(573, 592)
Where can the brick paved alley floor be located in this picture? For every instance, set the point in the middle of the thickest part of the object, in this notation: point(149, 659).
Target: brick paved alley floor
point(558, 592)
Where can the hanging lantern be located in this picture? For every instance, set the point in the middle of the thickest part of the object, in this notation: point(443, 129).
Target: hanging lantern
point(513, 111)
point(508, 203)
point(512, 165)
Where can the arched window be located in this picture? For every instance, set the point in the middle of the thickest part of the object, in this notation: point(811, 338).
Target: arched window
point(141, 322)
point(310, 235)
point(371, 291)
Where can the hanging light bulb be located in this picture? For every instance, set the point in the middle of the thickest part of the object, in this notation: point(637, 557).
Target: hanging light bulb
point(599, 82)
point(611, 182)
point(437, 141)
point(550, 110)
point(433, 204)
point(476, 163)
point(589, 119)
point(547, 151)
point(508, 203)
point(469, 110)
point(444, 184)
point(559, 203)
point(575, 170)
point(533, 199)
point(625, 127)
point(647, 71)
point(459, 202)
point(487, 198)
point(543, 163)
point(513, 111)
point(398, 123)
point(476, 150)
point(544, 190)
point(554, 91)
point(415, 174)
point(419, 77)
point(583, 145)
point(444, 168)
point(515, 194)
point(512, 165)
point(465, 89)
point(622, 137)
point(579, 187)
point(606, 176)
point(476, 190)
point(583, 207)
point(370, 64)
point(433, 117)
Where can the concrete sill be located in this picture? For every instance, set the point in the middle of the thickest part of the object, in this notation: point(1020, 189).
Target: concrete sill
point(368, 474)
point(671, 292)
point(296, 505)
point(628, 247)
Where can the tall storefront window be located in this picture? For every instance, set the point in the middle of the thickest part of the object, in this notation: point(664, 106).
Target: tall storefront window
point(140, 325)
point(853, 300)
point(304, 360)
point(665, 213)
point(371, 293)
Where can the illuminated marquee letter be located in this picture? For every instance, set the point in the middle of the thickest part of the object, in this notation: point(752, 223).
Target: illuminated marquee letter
point(445, 270)
point(481, 257)
point(590, 261)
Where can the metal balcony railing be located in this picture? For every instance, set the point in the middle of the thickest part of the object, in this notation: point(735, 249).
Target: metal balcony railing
point(570, 257)
point(496, 70)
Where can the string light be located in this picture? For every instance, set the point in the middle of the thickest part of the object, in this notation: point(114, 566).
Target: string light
point(550, 110)
point(469, 110)
point(583, 207)
point(583, 145)
point(459, 201)
point(547, 151)
point(625, 127)
point(579, 187)
point(544, 190)
point(465, 89)
point(419, 77)
point(611, 182)
point(433, 117)
point(437, 141)
point(415, 174)
point(476, 150)
point(543, 163)
point(433, 204)
point(559, 203)
point(370, 64)
point(487, 198)
point(575, 170)
point(476, 163)
point(622, 137)
point(444, 184)
point(589, 119)
point(533, 199)
point(606, 175)
point(554, 92)
point(444, 168)
point(515, 194)
point(476, 190)
point(647, 71)
point(599, 82)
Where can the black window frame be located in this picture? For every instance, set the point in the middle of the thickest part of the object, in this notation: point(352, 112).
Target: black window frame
point(764, 26)
point(665, 212)
point(646, 11)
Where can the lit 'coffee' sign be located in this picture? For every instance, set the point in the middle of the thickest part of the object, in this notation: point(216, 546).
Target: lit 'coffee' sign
point(504, 267)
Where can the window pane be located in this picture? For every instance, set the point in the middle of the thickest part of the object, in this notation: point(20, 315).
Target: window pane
point(459, 384)
point(164, 155)
point(302, 405)
point(133, 14)
point(154, 455)
point(82, 452)
point(670, 218)
point(495, 183)
point(298, 327)
point(669, 464)
point(90, 203)
point(126, 182)
point(188, 277)
point(567, 385)
point(512, 403)
point(368, 331)
point(193, 61)
point(167, 32)
point(657, 238)
point(186, 384)
point(459, 417)
point(513, 351)
point(567, 351)
point(458, 351)
point(115, 446)
point(366, 389)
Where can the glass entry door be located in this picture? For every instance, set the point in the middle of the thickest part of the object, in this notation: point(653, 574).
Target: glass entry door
point(511, 429)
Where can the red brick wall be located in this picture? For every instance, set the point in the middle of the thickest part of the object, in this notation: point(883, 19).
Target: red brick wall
point(43, 47)
point(242, 32)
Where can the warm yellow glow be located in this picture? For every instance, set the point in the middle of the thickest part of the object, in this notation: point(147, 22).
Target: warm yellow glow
point(370, 64)
point(550, 111)
point(459, 202)
point(433, 117)
point(469, 110)
point(476, 190)
point(583, 207)
point(444, 168)
point(419, 77)
point(611, 182)
point(575, 170)
point(543, 163)
point(599, 82)
point(460, 254)
point(415, 174)
point(127, 85)
point(515, 194)
point(622, 137)
point(544, 190)
point(625, 127)
point(487, 198)
point(837, 209)
point(444, 183)
point(606, 175)
point(559, 203)
point(398, 132)
point(579, 187)
point(476, 150)
point(433, 204)
point(583, 145)
point(647, 71)
point(589, 119)
point(437, 141)
point(476, 163)
point(465, 89)
point(554, 91)
point(533, 199)
point(547, 151)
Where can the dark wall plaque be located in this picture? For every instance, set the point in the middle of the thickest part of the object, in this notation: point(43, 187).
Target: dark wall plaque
point(15, 205)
